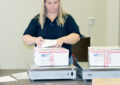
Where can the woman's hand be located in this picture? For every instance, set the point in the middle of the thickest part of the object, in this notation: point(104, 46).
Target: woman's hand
point(59, 43)
point(39, 41)
point(69, 39)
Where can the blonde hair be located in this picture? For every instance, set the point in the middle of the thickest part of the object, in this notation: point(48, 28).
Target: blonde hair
point(61, 15)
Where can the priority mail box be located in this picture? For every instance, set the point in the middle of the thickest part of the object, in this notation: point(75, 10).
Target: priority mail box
point(51, 56)
point(104, 56)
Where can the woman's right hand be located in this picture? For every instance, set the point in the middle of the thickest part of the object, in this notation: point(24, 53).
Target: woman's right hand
point(39, 41)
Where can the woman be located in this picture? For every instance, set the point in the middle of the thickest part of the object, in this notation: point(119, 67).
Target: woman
point(52, 23)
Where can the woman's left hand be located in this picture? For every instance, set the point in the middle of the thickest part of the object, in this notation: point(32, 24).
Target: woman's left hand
point(59, 43)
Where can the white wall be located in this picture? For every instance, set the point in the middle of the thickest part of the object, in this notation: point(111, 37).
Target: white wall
point(82, 10)
point(119, 24)
point(113, 22)
point(16, 15)
point(14, 18)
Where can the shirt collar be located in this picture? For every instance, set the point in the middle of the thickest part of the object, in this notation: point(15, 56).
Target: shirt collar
point(50, 20)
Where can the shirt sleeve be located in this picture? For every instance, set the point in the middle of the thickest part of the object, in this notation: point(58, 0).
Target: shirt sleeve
point(71, 26)
point(31, 29)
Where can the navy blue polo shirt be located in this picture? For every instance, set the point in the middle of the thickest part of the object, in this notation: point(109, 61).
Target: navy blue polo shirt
point(51, 30)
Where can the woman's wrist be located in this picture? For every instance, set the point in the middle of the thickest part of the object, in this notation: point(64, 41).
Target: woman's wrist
point(34, 40)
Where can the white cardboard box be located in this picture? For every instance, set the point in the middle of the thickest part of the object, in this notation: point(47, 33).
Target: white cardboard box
point(104, 56)
point(51, 56)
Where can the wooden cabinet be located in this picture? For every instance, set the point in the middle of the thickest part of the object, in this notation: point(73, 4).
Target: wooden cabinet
point(80, 49)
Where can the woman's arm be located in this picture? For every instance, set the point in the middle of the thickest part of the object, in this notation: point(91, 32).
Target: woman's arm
point(69, 39)
point(29, 40)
